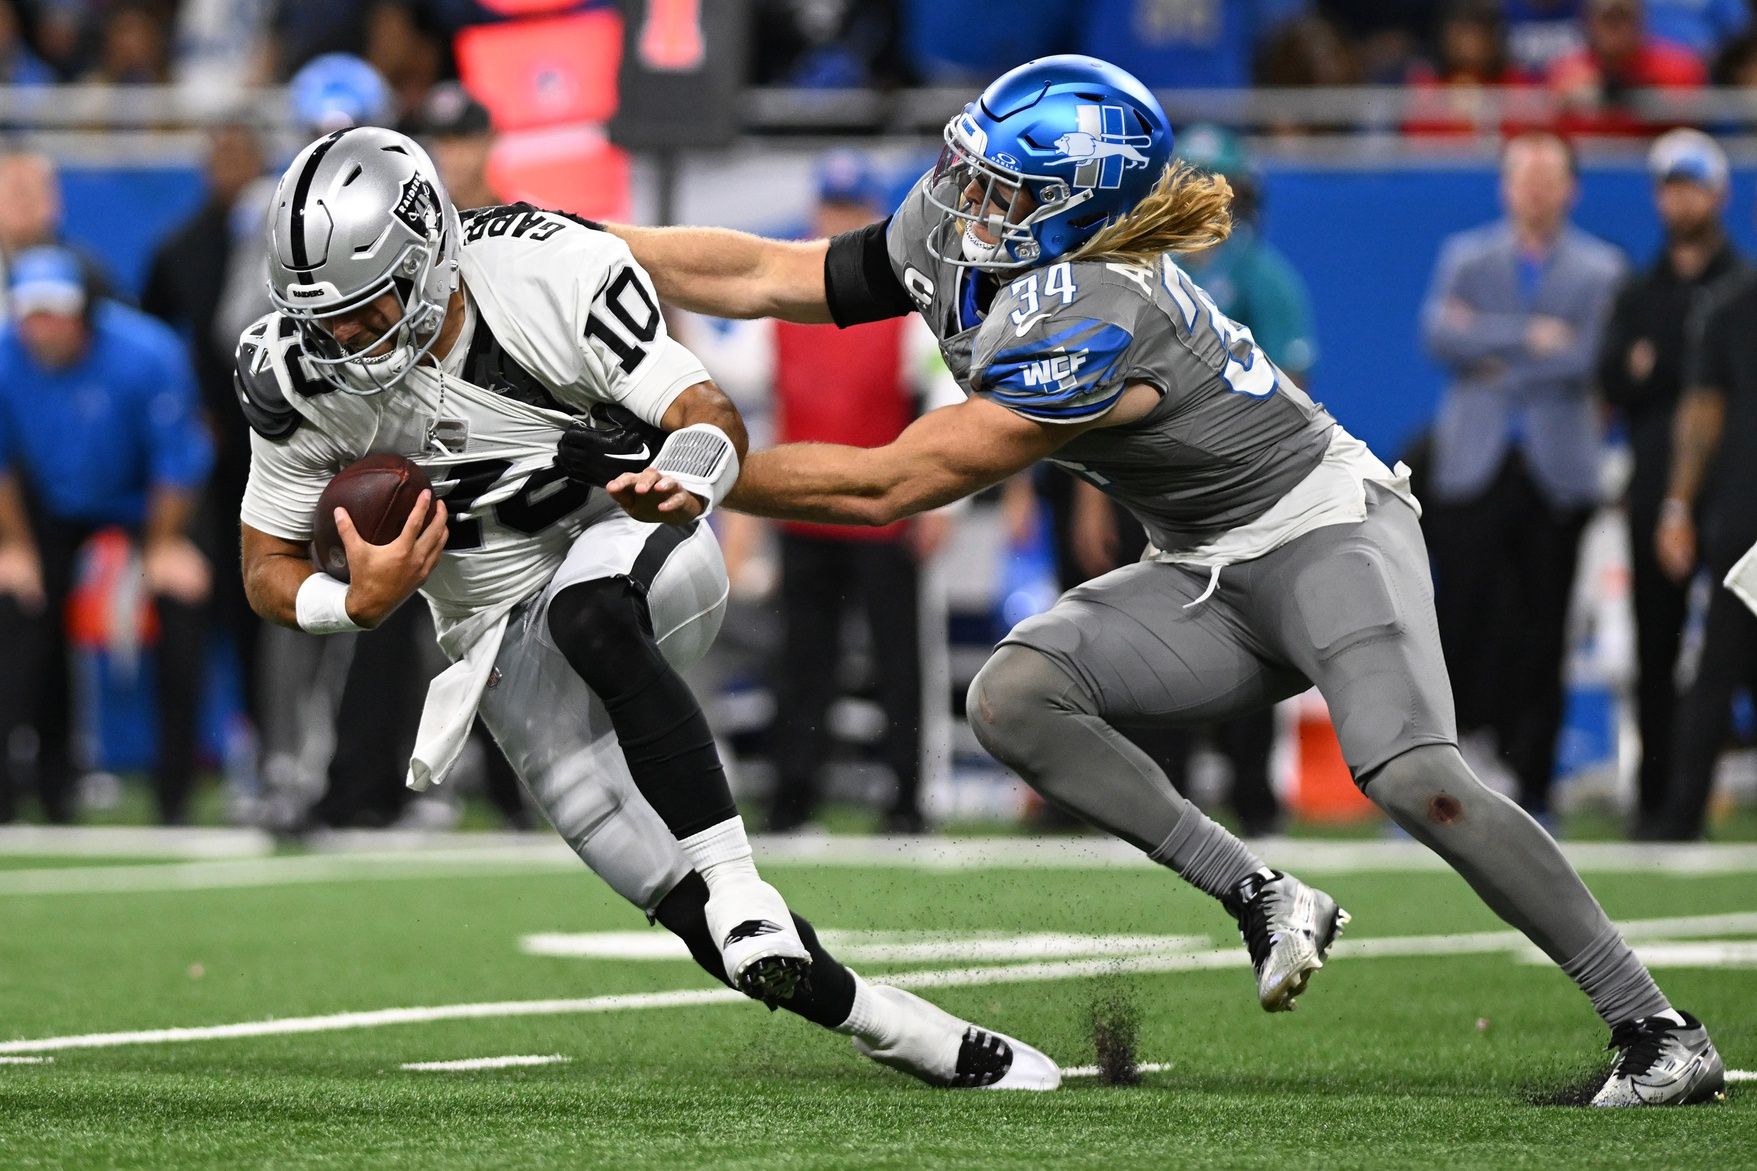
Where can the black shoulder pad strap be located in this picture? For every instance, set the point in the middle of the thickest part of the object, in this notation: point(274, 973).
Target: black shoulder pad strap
point(488, 365)
point(859, 282)
point(267, 369)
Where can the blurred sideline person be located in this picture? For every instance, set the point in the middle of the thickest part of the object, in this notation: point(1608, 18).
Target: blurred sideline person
point(1515, 314)
point(1641, 372)
point(826, 570)
point(186, 288)
point(1042, 249)
point(459, 134)
point(30, 206)
point(467, 344)
point(1713, 478)
point(99, 427)
point(30, 215)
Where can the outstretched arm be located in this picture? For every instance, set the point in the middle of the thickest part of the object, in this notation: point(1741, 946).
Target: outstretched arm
point(725, 273)
point(943, 456)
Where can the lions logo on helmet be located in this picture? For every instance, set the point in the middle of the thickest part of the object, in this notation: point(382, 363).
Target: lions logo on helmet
point(1101, 149)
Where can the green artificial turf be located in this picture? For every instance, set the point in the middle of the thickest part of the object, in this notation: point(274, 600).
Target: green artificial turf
point(1389, 1062)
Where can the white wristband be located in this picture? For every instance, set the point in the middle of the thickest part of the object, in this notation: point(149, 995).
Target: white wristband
point(701, 458)
point(321, 606)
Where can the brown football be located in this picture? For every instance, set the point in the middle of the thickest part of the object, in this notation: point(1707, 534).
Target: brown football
point(379, 492)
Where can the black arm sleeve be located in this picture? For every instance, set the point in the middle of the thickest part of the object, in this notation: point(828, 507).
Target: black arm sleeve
point(859, 283)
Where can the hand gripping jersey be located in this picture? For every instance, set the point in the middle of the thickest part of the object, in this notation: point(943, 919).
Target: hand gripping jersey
point(561, 320)
point(1231, 436)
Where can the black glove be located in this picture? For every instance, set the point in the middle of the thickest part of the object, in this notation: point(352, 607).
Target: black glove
point(609, 441)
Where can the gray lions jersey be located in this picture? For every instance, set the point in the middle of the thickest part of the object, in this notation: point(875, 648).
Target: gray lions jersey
point(1231, 434)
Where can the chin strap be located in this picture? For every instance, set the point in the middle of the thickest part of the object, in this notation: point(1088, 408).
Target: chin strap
point(701, 458)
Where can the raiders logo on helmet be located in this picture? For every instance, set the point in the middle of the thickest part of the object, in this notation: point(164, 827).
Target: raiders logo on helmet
point(417, 206)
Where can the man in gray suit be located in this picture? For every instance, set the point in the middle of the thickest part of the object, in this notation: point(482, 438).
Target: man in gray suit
point(1515, 313)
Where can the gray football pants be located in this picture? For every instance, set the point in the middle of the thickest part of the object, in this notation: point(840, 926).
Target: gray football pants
point(1348, 608)
point(555, 731)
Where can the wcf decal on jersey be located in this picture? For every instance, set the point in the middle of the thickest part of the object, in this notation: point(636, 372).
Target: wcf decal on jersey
point(1059, 371)
point(1101, 149)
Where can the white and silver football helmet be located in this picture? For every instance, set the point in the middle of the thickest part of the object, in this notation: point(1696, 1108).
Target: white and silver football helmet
point(358, 214)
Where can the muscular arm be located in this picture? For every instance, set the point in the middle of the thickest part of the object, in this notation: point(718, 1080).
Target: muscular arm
point(725, 273)
point(943, 456)
point(383, 576)
point(706, 403)
point(274, 568)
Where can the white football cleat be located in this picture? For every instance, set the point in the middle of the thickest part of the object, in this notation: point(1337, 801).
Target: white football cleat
point(764, 956)
point(1663, 1062)
point(943, 1050)
point(1288, 928)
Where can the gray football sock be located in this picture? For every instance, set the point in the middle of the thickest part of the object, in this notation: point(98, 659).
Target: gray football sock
point(1518, 870)
point(1037, 719)
point(1208, 856)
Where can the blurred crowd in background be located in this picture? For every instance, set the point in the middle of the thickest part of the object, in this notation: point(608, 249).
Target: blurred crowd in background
point(1570, 45)
point(123, 454)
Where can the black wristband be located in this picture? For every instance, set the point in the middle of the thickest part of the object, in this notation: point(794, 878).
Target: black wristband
point(859, 282)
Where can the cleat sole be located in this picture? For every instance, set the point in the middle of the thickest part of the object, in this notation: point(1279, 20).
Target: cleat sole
point(774, 978)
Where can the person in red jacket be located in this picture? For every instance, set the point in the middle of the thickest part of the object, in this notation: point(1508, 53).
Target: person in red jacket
point(859, 386)
point(1596, 84)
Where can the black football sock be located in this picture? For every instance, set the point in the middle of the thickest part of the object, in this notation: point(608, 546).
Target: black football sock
point(603, 629)
point(826, 998)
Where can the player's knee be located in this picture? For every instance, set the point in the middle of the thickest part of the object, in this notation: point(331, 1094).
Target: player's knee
point(602, 628)
point(1432, 787)
point(1014, 700)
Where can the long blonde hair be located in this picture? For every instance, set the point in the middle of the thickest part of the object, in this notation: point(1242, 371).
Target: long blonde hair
point(1187, 210)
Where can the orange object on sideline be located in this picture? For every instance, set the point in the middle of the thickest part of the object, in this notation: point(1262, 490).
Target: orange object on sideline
point(1323, 788)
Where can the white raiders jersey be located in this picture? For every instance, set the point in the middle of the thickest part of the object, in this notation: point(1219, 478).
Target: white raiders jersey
point(560, 318)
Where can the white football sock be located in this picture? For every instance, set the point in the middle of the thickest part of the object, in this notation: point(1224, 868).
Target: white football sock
point(873, 1018)
point(721, 853)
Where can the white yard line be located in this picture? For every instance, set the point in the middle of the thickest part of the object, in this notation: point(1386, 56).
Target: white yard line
point(379, 1018)
point(26, 1060)
point(876, 947)
point(1741, 1075)
point(472, 1063)
point(504, 855)
point(103, 841)
point(1231, 956)
point(1092, 1070)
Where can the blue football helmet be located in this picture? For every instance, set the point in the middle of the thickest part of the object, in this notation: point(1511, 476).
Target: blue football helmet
point(339, 90)
point(1081, 138)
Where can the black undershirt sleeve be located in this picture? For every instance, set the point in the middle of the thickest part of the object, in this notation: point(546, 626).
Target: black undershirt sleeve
point(859, 283)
